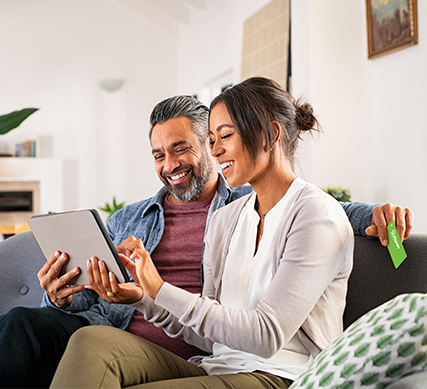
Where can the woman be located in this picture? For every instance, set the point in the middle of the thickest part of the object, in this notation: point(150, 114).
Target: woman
point(276, 265)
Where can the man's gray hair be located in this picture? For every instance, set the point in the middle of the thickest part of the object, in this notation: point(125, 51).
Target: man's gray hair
point(182, 106)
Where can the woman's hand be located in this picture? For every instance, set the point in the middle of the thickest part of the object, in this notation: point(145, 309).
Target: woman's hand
point(105, 284)
point(143, 270)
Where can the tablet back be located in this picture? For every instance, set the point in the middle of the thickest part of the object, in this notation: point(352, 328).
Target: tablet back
point(82, 235)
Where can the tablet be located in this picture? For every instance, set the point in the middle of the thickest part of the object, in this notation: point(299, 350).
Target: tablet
point(82, 235)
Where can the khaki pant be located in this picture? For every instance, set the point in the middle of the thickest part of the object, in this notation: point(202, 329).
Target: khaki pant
point(105, 357)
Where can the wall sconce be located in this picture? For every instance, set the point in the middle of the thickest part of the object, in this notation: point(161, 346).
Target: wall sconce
point(111, 84)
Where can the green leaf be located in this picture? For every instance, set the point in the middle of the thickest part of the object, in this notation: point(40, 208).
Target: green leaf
point(106, 208)
point(413, 304)
point(385, 341)
point(416, 330)
point(373, 315)
point(341, 359)
point(326, 379)
point(419, 358)
point(348, 370)
point(392, 303)
point(420, 314)
point(337, 350)
point(406, 349)
point(357, 339)
point(321, 358)
point(322, 368)
point(378, 330)
point(397, 325)
point(14, 119)
point(362, 350)
point(382, 385)
point(376, 321)
point(112, 208)
point(305, 379)
point(381, 359)
point(310, 385)
point(338, 193)
point(369, 378)
point(345, 385)
point(395, 370)
point(396, 314)
point(424, 341)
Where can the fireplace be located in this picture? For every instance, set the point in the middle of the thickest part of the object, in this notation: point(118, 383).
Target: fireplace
point(16, 201)
point(19, 200)
point(43, 177)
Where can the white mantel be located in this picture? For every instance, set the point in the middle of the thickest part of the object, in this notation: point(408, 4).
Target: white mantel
point(47, 171)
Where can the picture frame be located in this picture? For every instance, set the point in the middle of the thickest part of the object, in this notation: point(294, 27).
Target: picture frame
point(392, 25)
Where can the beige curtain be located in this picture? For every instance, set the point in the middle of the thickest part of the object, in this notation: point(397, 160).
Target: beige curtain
point(266, 43)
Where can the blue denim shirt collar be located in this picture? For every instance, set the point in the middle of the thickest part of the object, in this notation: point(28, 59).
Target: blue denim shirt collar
point(222, 196)
point(155, 202)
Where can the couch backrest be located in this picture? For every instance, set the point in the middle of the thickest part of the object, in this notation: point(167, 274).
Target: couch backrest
point(20, 260)
point(374, 279)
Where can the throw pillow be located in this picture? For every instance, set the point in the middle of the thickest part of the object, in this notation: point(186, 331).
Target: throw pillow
point(382, 346)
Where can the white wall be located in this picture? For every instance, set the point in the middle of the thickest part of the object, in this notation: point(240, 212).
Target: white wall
point(210, 48)
point(373, 111)
point(53, 53)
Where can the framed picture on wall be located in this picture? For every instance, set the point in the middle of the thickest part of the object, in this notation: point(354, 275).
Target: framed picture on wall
point(392, 25)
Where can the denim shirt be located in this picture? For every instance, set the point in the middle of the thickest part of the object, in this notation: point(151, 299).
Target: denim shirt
point(145, 221)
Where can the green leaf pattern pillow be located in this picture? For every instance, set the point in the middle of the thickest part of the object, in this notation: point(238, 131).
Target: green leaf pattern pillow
point(378, 349)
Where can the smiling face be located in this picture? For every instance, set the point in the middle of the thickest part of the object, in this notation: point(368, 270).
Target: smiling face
point(236, 161)
point(182, 163)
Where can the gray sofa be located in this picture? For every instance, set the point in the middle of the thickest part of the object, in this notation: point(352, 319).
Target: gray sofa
point(374, 279)
point(20, 260)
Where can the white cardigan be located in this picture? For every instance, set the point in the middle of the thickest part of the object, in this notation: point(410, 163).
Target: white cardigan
point(311, 265)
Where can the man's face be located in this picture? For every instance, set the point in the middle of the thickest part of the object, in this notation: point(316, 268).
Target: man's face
point(182, 163)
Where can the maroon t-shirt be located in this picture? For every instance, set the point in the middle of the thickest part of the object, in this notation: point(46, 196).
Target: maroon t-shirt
point(177, 258)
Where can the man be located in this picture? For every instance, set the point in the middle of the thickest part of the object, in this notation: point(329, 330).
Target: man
point(171, 224)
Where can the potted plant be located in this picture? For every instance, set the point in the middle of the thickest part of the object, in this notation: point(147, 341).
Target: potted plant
point(339, 193)
point(113, 207)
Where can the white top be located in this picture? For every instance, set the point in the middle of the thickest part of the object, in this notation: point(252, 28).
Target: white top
point(311, 263)
point(244, 282)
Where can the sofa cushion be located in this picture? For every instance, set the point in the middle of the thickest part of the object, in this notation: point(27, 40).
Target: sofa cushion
point(382, 346)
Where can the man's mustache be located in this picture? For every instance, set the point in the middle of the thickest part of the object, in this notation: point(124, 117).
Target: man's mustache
point(178, 170)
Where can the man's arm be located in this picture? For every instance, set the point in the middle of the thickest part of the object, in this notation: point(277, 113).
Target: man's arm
point(372, 220)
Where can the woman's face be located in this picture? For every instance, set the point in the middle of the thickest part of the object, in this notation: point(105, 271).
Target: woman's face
point(226, 146)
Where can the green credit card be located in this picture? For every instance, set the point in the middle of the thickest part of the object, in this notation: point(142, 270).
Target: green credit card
point(395, 246)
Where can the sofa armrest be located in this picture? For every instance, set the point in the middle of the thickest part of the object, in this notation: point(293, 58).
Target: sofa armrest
point(20, 260)
point(374, 279)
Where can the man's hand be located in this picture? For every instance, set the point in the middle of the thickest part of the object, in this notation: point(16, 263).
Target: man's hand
point(58, 289)
point(382, 216)
point(105, 284)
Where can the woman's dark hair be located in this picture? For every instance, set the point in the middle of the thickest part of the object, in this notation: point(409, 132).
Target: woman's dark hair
point(254, 103)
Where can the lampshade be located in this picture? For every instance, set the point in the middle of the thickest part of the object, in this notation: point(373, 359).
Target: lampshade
point(111, 84)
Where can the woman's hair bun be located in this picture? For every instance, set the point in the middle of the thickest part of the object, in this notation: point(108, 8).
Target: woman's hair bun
point(304, 116)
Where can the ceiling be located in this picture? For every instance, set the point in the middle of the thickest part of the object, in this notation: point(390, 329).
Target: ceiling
point(166, 14)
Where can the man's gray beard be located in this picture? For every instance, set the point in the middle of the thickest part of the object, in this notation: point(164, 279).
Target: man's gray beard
point(197, 183)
